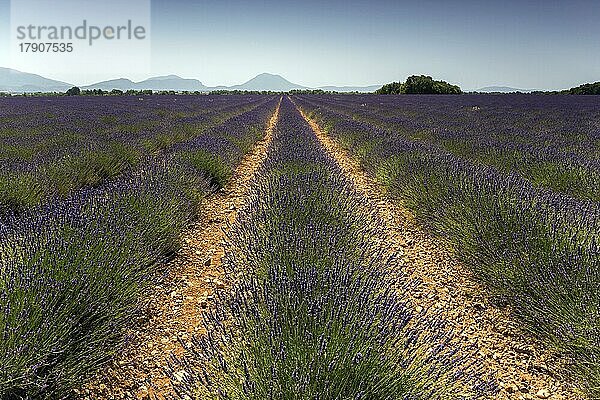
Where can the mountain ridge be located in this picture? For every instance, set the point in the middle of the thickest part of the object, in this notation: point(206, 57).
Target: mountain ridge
point(13, 80)
point(502, 89)
point(21, 82)
point(270, 81)
point(167, 82)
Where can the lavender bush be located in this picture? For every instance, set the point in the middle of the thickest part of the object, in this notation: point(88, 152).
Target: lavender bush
point(51, 147)
point(552, 141)
point(536, 245)
point(72, 269)
point(314, 312)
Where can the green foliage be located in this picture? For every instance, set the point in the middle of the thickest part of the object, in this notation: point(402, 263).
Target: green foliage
point(210, 165)
point(23, 190)
point(391, 88)
point(588, 88)
point(23, 153)
point(19, 191)
point(74, 91)
point(94, 92)
point(419, 85)
point(243, 92)
point(559, 175)
point(89, 169)
point(163, 141)
point(309, 91)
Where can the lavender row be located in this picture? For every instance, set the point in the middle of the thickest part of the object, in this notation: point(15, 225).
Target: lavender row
point(537, 249)
point(39, 130)
point(553, 141)
point(71, 271)
point(50, 147)
point(314, 310)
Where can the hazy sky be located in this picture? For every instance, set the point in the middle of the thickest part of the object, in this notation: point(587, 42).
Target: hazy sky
point(541, 44)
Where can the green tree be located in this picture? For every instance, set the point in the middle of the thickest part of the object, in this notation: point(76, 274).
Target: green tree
point(74, 91)
point(391, 88)
point(588, 88)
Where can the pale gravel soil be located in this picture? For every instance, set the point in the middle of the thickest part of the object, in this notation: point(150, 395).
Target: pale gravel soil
point(171, 311)
point(522, 368)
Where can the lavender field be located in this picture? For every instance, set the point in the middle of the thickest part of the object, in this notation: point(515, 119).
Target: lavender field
point(97, 194)
point(511, 181)
point(316, 311)
point(51, 147)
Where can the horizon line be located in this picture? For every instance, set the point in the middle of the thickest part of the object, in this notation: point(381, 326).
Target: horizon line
point(159, 75)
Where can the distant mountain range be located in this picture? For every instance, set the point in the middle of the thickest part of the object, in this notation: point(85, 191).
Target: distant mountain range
point(346, 89)
point(16, 81)
point(21, 82)
point(271, 82)
point(169, 82)
point(502, 89)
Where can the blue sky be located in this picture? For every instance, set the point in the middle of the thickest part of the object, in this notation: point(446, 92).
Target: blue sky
point(525, 44)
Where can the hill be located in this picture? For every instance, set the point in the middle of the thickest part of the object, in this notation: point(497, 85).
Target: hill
point(12, 80)
point(21, 82)
point(502, 89)
point(169, 82)
point(267, 81)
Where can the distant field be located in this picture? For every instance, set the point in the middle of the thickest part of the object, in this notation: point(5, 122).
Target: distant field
point(52, 147)
point(96, 192)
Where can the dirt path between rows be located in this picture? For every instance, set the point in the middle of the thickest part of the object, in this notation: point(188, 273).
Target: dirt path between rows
point(172, 311)
point(522, 369)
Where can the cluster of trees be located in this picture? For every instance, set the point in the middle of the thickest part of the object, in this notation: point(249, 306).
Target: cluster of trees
point(75, 91)
point(419, 84)
point(588, 88)
point(585, 89)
